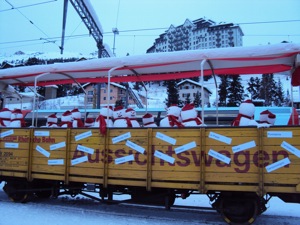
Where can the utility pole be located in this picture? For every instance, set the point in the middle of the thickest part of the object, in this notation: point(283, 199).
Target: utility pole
point(64, 26)
point(116, 32)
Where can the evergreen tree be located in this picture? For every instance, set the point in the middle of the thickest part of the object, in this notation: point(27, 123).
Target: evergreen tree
point(165, 83)
point(20, 88)
point(173, 95)
point(197, 99)
point(206, 78)
point(196, 79)
point(41, 90)
point(62, 90)
point(223, 90)
point(34, 61)
point(75, 90)
point(235, 91)
point(137, 86)
point(254, 87)
point(268, 89)
point(187, 99)
point(279, 97)
point(287, 99)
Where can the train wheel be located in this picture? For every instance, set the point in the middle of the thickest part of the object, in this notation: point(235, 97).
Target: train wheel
point(169, 200)
point(17, 191)
point(238, 211)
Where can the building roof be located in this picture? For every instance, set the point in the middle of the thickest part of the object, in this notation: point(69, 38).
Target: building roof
point(112, 83)
point(193, 82)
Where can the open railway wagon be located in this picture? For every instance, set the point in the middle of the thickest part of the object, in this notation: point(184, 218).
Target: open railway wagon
point(238, 168)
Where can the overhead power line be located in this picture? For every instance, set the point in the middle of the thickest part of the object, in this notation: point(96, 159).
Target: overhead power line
point(246, 23)
point(278, 21)
point(25, 6)
point(29, 20)
point(138, 30)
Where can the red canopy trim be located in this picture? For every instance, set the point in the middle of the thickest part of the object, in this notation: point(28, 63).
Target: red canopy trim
point(259, 58)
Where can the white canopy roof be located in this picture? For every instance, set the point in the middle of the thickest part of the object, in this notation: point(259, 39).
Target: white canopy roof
point(164, 66)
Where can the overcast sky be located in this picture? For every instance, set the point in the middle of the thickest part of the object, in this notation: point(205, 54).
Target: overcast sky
point(23, 28)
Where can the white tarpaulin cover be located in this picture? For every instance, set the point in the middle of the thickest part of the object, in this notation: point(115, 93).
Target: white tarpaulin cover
point(164, 66)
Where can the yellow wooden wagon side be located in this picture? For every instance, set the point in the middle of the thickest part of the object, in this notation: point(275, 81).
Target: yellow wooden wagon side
point(225, 163)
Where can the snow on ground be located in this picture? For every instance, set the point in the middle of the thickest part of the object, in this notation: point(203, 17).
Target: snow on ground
point(71, 211)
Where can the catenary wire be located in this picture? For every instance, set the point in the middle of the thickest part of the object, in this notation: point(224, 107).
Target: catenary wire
point(29, 20)
point(25, 6)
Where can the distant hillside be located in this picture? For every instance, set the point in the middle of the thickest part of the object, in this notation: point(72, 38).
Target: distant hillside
point(21, 57)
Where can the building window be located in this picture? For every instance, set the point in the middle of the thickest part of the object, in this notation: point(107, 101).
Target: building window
point(89, 100)
point(90, 92)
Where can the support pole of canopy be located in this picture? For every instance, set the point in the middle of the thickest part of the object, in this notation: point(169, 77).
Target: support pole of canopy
point(34, 97)
point(202, 88)
point(108, 84)
point(216, 85)
point(292, 108)
point(146, 96)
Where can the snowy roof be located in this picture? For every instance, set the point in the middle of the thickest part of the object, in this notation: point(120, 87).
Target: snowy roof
point(163, 66)
point(112, 83)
